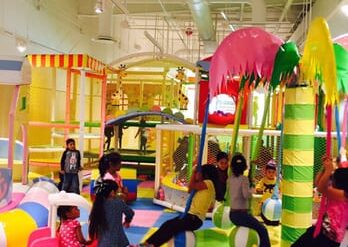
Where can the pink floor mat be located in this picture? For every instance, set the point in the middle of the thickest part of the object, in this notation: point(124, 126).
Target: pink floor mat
point(145, 218)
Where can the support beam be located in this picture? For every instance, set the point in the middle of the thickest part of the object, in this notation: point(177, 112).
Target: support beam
point(325, 9)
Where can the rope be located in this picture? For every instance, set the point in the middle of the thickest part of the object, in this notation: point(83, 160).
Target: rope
point(344, 131)
point(323, 204)
point(275, 194)
point(337, 121)
point(200, 154)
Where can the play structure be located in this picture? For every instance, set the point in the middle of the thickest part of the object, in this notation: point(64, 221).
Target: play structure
point(32, 211)
point(153, 90)
point(292, 111)
point(15, 76)
point(46, 236)
point(129, 180)
point(294, 94)
point(78, 80)
point(146, 131)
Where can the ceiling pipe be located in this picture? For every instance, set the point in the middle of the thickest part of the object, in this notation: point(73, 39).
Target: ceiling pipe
point(105, 25)
point(121, 7)
point(154, 42)
point(258, 10)
point(201, 15)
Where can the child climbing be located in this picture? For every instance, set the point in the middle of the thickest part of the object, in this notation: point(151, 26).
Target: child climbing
point(240, 194)
point(70, 234)
point(204, 183)
point(106, 216)
point(333, 224)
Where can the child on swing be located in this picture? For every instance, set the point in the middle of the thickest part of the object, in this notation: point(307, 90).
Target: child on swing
point(332, 184)
point(240, 193)
point(266, 186)
point(204, 183)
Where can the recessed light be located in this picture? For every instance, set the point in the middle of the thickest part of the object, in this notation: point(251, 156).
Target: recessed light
point(344, 9)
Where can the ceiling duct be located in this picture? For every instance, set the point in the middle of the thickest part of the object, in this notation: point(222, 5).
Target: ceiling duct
point(105, 25)
point(201, 15)
point(258, 10)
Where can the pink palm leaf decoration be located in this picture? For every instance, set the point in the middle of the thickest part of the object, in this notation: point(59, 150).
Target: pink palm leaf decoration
point(248, 52)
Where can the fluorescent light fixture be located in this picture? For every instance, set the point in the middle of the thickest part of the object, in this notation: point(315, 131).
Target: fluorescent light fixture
point(99, 6)
point(21, 45)
point(224, 15)
point(231, 27)
point(344, 9)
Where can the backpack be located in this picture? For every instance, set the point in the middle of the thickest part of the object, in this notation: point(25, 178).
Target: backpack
point(71, 162)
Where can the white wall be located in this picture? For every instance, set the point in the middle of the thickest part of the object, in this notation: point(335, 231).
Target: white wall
point(49, 26)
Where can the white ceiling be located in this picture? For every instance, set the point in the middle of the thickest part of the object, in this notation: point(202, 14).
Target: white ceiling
point(288, 19)
point(149, 14)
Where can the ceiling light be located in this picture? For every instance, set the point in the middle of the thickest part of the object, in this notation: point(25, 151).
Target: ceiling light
point(21, 45)
point(224, 15)
point(344, 9)
point(99, 6)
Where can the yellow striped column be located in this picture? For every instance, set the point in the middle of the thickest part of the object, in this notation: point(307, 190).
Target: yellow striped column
point(298, 158)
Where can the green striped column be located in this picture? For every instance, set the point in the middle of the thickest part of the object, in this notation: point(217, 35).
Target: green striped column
point(298, 158)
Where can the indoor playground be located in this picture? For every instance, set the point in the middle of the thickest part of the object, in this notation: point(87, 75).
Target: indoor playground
point(256, 93)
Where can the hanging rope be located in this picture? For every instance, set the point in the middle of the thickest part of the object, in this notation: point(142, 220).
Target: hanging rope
point(275, 194)
point(344, 131)
point(337, 121)
point(200, 154)
point(323, 202)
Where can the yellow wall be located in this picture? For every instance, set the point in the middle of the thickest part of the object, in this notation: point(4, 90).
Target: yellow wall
point(21, 117)
point(48, 92)
point(40, 104)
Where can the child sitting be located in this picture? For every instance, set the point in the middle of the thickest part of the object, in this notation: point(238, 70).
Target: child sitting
point(265, 187)
point(106, 216)
point(330, 229)
point(240, 193)
point(70, 228)
point(109, 167)
point(204, 183)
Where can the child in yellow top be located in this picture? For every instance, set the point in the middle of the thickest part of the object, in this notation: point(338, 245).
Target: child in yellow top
point(204, 183)
point(266, 185)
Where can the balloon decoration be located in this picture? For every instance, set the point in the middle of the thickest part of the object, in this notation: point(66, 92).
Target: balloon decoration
point(183, 239)
point(247, 52)
point(286, 60)
point(221, 217)
point(244, 237)
point(318, 60)
point(272, 209)
point(341, 56)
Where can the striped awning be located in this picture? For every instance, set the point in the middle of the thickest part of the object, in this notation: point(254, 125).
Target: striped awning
point(64, 61)
point(14, 71)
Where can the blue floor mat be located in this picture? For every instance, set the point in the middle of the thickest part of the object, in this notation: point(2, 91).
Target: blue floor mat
point(164, 217)
point(135, 234)
point(145, 204)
